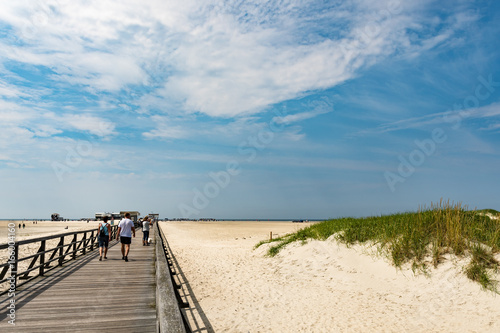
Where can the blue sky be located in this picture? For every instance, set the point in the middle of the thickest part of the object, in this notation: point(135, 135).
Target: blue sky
point(232, 109)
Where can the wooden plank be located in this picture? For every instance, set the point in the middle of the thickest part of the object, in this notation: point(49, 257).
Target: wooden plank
point(88, 295)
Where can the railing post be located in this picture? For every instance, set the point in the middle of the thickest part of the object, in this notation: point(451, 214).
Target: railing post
point(14, 268)
point(42, 258)
point(74, 246)
point(84, 242)
point(61, 250)
point(12, 265)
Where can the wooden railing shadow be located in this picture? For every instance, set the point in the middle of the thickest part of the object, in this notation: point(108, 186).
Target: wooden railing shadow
point(194, 314)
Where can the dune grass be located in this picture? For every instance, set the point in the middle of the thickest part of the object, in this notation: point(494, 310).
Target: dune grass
point(489, 211)
point(419, 238)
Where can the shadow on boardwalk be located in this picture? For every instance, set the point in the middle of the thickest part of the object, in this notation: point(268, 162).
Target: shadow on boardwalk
point(30, 291)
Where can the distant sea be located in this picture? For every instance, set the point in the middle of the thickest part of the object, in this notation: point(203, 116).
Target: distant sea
point(24, 219)
point(272, 220)
point(161, 219)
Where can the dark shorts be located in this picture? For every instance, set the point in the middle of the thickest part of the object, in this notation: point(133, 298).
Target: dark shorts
point(145, 235)
point(103, 241)
point(125, 240)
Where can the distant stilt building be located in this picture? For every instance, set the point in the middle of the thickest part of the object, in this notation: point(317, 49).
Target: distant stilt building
point(100, 216)
point(134, 215)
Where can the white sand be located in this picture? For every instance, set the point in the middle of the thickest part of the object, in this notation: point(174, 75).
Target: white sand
point(491, 216)
point(319, 287)
point(43, 228)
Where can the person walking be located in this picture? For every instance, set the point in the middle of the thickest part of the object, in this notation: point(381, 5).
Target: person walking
point(145, 231)
point(125, 231)
point(104, 233)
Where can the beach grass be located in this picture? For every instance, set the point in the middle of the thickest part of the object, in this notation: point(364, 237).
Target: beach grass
point(419, 238)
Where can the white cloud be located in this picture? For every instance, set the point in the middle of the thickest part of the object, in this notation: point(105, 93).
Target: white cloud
point(46, 131)
point(231, 74)
point(319, 108)
point(165, 130)
point(227, 67)
point(87, 123)
point(491, 127)
point(41, 123)
point(166, 133)
point(79, 42)
point(100, 71)
point(4, 157)
point(9, 91)
point(11, 113)
point(487, 111)
point(452, 118)
point(220, 59)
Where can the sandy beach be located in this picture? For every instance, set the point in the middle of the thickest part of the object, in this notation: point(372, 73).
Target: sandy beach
point(319, 286)
point(43, 228)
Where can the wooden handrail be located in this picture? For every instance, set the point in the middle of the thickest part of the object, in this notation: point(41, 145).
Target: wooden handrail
point(32, 240)
point(72, 250)
point(168, 301)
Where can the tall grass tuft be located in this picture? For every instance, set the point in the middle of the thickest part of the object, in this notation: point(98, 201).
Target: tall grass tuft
point(418, 238)
point(481, 267)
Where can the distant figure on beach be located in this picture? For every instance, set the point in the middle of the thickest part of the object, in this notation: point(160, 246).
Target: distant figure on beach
point(145, 231)
point(23, 225)
point(125, 230)
point(104, 232)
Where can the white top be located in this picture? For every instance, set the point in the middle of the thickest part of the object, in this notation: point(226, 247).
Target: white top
point(145, 225)
point(126, 227)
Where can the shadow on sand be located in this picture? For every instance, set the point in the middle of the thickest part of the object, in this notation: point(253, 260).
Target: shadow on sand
point(194, 314)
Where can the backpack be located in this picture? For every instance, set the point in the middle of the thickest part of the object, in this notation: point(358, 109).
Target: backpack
point(102, 232)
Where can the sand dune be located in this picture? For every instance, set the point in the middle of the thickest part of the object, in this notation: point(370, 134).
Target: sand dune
point(321, 286)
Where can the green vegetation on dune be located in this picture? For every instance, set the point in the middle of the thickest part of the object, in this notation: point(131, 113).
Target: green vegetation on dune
point(489, 211)
point(419, 238)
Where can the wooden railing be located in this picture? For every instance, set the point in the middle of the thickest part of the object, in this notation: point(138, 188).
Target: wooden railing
point(169, 317)
point(41, 261)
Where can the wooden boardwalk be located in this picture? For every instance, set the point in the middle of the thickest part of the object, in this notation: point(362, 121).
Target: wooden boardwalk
point(88, 295)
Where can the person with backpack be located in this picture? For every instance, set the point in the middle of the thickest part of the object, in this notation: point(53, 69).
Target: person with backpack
point(104, 232)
